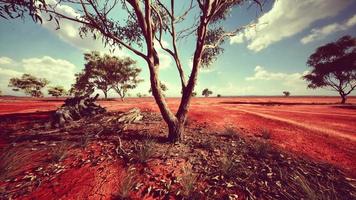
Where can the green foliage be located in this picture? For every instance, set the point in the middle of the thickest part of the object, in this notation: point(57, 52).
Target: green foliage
point(334, 65)
point(194, 94)
point(31, 85)
point(57, 91)
point(162, 86)
point(206, 92)
point(104, 73)
point(219, 95)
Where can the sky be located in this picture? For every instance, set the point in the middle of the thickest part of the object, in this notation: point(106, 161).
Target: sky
point(265, 59)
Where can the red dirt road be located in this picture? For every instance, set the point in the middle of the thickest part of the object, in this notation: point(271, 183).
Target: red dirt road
point(312, 126)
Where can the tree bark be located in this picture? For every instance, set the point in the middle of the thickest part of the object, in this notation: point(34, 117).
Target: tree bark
point(343, 99)
point(105, 94)
point(176, 131)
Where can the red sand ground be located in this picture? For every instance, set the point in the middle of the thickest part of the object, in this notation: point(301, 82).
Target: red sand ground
point(312, 126)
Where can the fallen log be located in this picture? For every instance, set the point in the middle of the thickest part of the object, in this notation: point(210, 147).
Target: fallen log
point(76, 108)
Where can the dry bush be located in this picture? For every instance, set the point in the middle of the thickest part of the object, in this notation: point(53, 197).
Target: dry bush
point(265, 133)
point(126, 186)
point(13, 160)
point(188, 182)
point(260, 149)
point(145, 151)
point(60, 151)
point(229, 132)
point(226, 167)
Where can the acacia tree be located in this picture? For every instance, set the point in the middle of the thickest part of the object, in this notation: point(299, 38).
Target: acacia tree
point(57, 91)
point(334, 65)
point(31, 85)
point(206, 92)
point(147, 21)
point(121, 74)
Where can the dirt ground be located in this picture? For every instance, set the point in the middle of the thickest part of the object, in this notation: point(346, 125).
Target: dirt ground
point(313, 127)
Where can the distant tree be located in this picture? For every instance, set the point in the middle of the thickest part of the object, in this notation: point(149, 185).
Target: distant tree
point(206, 92)
point(105, 73)
point(334, 65)
point(31, 85)
point(139, 95)
point(194, 94)
point(121, 74)
point(286, 93)
point(82, 86)
point(162, 86)
point(57, 91)
point(0, 92)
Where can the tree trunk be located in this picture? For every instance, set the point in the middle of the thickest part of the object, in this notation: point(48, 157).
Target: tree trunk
point(176, 131)
point(105, 94)
point(343, 99)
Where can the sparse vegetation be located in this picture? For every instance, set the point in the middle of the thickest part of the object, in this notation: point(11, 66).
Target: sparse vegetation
point(127, 184)
point(219, 95)
point(188, 182)
point(57, 91)
point(59, 152)
point(145, 151)
point(265, 133)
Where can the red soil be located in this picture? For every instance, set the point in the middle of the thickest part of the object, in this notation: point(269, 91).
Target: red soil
point(316, 127)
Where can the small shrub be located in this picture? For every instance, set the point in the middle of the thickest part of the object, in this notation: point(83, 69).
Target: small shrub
point(188, 181)
point(126, 186)
point(145, 151)
point(207, 145)
point(84, 140)
point(59, 152)
point(260, 149)
point(227, 167)
point(229, 132)
point(12, 160)
point(266, 134)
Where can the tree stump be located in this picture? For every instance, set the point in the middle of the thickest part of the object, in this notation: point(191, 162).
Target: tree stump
point(76, 108)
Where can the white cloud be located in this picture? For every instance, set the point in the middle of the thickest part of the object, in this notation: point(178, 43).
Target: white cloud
point(69, 30)
point(57, 71)
point(5, 61)
point(320, 33)
point(285, 19)
point(287, 79)
point(165, 60)
point(201, 69)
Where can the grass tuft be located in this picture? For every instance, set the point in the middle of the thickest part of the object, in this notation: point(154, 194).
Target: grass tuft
point(126, 186)
point(145, 151)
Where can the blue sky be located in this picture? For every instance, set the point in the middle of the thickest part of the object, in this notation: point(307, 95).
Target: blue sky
point(264, 60)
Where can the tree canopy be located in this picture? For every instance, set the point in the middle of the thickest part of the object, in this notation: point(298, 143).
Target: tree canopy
point(334, 66)
point(57, 91)
point(29, 84)
point(105, 73)
point(286, 93)
point(206, 92)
